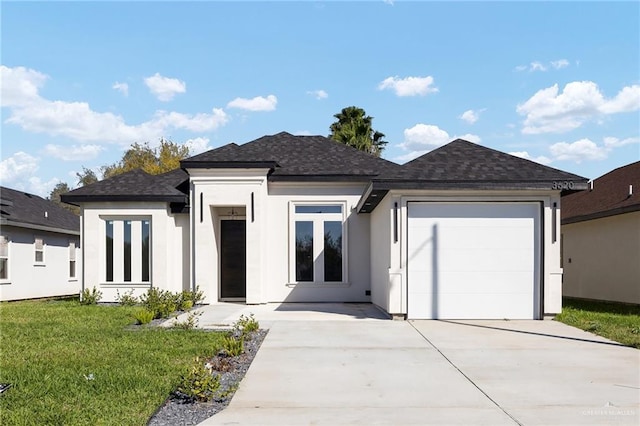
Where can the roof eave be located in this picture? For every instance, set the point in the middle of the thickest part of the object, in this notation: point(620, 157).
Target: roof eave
point(190, 164)
point(74, 199)
point(601, 214)
point(7, 222)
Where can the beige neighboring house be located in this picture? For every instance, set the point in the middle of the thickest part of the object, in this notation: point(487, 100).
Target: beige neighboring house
point(601, 238)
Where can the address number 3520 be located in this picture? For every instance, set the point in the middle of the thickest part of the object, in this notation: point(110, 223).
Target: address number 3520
point(562, 184)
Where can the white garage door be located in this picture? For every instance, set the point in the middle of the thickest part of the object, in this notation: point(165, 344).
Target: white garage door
point(473, 260)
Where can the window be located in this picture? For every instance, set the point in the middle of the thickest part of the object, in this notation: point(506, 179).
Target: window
point(319, 244)
point(39, 250)
point(72, 260)
point(127, 250)
point(4, 258)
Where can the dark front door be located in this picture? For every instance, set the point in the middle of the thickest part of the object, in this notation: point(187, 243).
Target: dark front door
point(233, 259)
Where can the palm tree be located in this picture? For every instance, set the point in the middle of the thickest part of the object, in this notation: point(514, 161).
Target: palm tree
point(354, 128)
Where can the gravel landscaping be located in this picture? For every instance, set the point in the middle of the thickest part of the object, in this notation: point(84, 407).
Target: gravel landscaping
point(178, 411)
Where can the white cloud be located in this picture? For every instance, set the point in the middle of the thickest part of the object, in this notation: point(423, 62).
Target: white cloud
point(77, 121)
point(423, 138)
point(18, 172)
point(471, 116)
point(73, 152)
point(409, 86)
point(539, 66)
point(549, 111)
point(258, 103)
point(19, 86)
point(43, 189)
point(540, 159)
point(611, 142)
point(18, 167)
point(302, 133)
point(560, 63)
point(318, 94)
point(165, 88)
point(578, 151)
point(121, 87)
point(197, 145)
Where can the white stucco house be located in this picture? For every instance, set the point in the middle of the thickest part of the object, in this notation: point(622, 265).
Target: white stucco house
point(39, 248)
point(462, 232)
point(601, 238)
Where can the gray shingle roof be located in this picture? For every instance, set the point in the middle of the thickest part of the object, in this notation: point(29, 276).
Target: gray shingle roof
point(135, 185)
point(464, 165)
point(295, 158)
point(20, 208)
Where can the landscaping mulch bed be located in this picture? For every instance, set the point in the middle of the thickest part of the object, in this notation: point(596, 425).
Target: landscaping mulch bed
point(178, 411)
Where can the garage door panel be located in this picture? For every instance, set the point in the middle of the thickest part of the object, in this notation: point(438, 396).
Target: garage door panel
point(477, 259)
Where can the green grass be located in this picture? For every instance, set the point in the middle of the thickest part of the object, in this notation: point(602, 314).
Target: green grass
point(47, 349)
point(615, 321)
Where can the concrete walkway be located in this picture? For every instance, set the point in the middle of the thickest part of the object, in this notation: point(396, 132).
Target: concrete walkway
point(334, 364)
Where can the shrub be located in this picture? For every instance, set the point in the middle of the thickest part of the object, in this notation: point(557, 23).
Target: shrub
point(90, 297)
point(233, 346)
point(195, 297)
point(198, 384)
point(190, 323)
point(127, 299)
point(245, 325)
point(161, 302)
point(143, 316)
point(185, 305)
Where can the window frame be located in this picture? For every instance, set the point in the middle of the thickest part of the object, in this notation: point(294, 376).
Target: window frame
point(4, 239)
point(318, 220)
point(73, 260)
point(43, 250)
point(136, 251)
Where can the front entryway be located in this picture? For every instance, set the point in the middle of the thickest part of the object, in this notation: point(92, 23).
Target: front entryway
point(233, 259)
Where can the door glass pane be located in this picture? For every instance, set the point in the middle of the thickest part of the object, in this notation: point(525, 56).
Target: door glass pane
point(304, 251)
point(127, 250)
point(109, 246)
point(145, 251)
point(319, 209)
point(333, 251)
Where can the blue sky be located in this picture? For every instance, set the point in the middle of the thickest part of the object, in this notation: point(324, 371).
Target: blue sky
point(556, 82)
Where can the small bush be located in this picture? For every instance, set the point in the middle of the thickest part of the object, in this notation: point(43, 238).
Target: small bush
point(232, 346)
point(161, 302)
point(195, 297)
point(143, 316)
point(90, 297)
point(198, 384)
point(245, 325)
point(185, 305)
point(190, 323)
point(127, 299)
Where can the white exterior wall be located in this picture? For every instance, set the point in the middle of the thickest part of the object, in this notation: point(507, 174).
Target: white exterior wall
point(268, 238)
point(602, 258)
point(29, 279)
point(280, 286)
point(213, 189)
point(397, 278)
point(381, 229)
point(169, 268)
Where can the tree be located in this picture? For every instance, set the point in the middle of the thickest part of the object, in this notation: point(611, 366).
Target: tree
point(54, 196)
point(354, 128)
point(86, 177)
point(154, 161)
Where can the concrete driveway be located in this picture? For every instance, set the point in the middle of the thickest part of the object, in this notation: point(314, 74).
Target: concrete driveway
point(331, 364)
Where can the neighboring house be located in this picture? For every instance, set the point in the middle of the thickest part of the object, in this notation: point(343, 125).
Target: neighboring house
point(461, 232)
point(601, 238)
point(39, 248)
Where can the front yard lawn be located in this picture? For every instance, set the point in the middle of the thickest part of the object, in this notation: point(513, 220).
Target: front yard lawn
point(72, 364)
point(614, 321)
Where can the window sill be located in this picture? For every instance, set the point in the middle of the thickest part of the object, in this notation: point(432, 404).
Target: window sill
point(40, 265)
point(329, 284)
point(5, 282)
point(73, 280)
